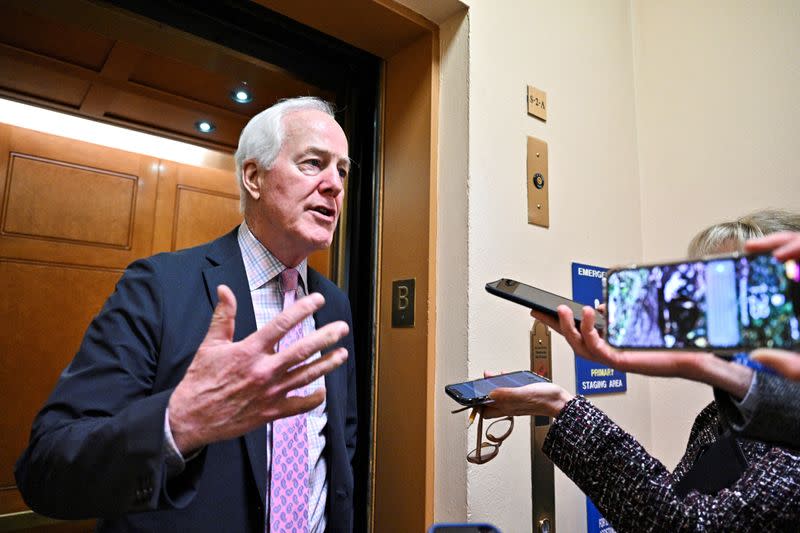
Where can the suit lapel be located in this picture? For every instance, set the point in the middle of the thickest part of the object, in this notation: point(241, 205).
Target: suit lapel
point(324, 316)
point(227, 268)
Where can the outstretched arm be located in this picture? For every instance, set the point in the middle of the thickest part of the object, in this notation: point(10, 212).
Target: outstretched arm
point(696, 366)
point(635, 492)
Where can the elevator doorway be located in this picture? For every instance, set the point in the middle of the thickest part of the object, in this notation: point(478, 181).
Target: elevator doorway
point(396, 154)
point(168, 70)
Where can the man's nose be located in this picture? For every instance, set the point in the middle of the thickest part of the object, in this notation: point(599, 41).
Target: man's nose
point(332, 183)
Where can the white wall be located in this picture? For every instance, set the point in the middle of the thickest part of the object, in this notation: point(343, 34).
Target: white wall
point(581, 55)
point(718, 117)
point(450, 476)
point(663, 117)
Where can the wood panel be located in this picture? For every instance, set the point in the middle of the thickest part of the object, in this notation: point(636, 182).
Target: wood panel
point(199, 83)
point(387, 26)
point(23, 80)
point(46, 199)
point(74, 202)
point(173, 117)
point(72, 216)
point(199, 215)
point(44, 311)
point(403, 494)
point(27, 31)
point(194, 205)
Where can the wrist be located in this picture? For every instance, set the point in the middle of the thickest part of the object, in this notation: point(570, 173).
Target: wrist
point(560, 402)
point(737, 381)
point(728, 376)
point(184, 437)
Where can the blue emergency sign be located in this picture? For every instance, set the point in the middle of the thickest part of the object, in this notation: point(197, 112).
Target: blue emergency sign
point(591, 377)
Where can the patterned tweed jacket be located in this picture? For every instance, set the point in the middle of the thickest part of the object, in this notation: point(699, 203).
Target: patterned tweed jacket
point(635, 492)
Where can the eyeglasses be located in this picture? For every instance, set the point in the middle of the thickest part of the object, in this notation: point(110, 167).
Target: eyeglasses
point(496, 433)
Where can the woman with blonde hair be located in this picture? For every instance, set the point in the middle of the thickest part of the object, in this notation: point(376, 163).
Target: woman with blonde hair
point(723, 482)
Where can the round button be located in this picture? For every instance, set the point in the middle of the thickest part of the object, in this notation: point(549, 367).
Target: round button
point(538, 180)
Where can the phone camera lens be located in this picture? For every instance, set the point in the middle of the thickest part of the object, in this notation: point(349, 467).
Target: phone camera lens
point(508, 282)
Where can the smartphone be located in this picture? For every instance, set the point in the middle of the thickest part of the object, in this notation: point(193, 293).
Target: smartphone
point(538, 299)
point(723, 304)
point(476, 392)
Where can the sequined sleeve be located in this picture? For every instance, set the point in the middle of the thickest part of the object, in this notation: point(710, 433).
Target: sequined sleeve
point(634, 491)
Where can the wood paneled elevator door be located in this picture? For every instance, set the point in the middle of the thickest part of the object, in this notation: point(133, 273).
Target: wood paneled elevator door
point(72, 216)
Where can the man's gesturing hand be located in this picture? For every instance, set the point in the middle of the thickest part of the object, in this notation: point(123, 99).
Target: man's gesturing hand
point(231, 387)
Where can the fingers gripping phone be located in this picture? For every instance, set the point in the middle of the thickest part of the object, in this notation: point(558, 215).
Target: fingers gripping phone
point(476, 392)
point(725, 304)
point(538, 299)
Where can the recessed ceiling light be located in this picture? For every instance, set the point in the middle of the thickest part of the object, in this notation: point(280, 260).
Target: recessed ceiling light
point(204, 126)
point(242, 94)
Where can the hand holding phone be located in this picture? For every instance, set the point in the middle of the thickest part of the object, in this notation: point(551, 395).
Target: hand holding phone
point(726, 304)
point(476, 392)
point(538, 299)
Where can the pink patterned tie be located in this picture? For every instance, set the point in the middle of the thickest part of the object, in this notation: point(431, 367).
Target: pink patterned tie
point(288, 498)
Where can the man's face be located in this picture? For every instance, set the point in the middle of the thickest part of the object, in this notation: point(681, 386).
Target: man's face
point(293, 208)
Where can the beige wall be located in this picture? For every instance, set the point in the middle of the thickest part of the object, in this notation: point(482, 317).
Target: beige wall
point(452, 347)
point(581, 55)
point(719, 122)
point(663, 117)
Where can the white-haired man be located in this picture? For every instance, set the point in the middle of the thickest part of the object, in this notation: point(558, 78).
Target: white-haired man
point(199, 399)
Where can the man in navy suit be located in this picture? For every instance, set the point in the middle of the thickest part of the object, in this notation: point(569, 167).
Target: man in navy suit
point(167, 418)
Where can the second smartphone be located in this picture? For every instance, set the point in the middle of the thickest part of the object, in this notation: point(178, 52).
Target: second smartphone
point(476, 392)
point(538, 299)
point(726, 304)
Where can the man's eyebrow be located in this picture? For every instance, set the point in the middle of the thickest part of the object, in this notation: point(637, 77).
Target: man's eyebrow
point(323, 152)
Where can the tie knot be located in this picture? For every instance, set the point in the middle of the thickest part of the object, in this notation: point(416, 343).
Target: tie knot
point(289, 280)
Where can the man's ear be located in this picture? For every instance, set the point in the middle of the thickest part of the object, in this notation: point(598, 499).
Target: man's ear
point(251, 179)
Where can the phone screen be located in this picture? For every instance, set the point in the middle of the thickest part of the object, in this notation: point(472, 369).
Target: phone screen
point(726, 303)
point(470, 391)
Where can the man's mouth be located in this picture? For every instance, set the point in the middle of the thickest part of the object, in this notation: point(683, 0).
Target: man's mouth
point(323, 211)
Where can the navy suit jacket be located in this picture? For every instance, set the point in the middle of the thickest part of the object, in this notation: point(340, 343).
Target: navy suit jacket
point(97, 446)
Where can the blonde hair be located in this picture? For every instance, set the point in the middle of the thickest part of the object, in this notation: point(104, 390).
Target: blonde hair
point(731, 236)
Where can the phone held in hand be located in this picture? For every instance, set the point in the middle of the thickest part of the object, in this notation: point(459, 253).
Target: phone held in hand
point(724, 304)
point(538, 299)
point(476, 392)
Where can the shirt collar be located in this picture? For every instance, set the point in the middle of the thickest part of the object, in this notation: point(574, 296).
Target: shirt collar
point(260, 265)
